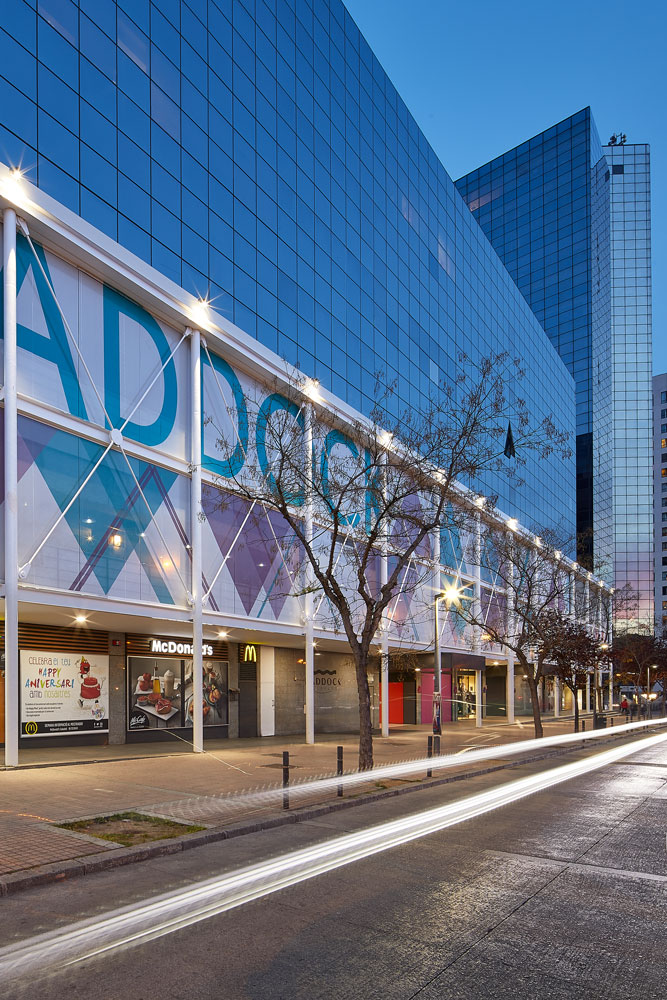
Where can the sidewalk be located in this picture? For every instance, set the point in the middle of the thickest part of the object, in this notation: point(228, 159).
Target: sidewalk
point(200, 788)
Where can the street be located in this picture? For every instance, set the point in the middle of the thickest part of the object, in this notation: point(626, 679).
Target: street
point(561, 894)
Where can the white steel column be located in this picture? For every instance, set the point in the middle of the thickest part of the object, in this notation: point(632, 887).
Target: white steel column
point(267, 691)
point(611, 685)
point(384, 682)
point(437, 656)
point(477, 584)
point(571, 595)
point(11, 495)
point(308, 597)
point(557, 694)
point(588, 691)
point(477, 614)
point(384, 653)
point(196, 540)
point(509, 696)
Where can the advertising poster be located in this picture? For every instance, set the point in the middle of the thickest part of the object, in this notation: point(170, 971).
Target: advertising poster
point(63, 693)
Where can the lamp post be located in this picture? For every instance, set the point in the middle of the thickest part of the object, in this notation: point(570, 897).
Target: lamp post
point(453, 595)
point(437, 668)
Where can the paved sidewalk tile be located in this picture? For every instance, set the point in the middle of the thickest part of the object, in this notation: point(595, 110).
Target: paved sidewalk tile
point(200, 787)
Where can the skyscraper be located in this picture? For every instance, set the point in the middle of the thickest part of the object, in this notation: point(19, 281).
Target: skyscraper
point(571, 221)
point(660, 496)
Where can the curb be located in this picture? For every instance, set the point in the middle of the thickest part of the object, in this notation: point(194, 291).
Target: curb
point(60, 871)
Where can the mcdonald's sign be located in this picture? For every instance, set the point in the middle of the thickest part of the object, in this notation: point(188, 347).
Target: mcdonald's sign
point(248, 653)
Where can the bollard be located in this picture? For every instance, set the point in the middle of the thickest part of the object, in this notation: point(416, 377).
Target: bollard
point(339, 768)
point(583, 725)
point(429, 754)
point(285, 779)
point(611, 721)
point(436, 746)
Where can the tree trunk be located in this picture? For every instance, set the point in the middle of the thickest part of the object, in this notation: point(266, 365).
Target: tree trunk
point(576, 710)
point(365, 723)
point(535, 701)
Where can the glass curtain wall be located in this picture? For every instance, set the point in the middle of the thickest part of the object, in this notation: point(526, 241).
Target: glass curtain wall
point(631, 373)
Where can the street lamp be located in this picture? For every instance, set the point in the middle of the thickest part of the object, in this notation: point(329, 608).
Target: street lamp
point(437, 667)
point(452, 595)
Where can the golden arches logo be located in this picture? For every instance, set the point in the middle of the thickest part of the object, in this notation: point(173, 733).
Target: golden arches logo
point(250, 654)
point(31, 728)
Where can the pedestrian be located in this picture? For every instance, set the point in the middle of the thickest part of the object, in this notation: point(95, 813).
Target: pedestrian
point(624, 706)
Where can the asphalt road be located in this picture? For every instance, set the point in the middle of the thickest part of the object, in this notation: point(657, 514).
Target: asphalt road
point(561, 896)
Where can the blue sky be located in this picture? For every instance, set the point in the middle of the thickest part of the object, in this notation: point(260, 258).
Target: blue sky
point(480, 78)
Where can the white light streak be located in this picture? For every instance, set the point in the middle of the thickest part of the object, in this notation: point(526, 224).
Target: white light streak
point(135, 925)
point(201, 807)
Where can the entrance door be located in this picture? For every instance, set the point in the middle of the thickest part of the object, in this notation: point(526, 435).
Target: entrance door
point(410, 702)
point(247, 699)
point(496, 695)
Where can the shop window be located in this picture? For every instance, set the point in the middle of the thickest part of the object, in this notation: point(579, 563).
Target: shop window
point(160, 693)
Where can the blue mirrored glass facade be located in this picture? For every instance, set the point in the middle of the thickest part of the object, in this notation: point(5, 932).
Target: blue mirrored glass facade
point(256, 152)
point(573, 231)
point(631, 370)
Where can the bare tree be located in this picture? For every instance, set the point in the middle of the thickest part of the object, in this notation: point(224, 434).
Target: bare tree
point(640, 659)
point(531, 583)
point(571, 652)
point(363, 498)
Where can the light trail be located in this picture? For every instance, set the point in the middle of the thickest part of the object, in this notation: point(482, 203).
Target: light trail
point(199, 807)
point(136, 925)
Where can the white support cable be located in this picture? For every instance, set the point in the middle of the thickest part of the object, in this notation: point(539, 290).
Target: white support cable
point(63, 513)
point(157, 526)
point(82, 486)
point(336, 561)
point(229, 552)
point(152, 383)
point(401, 588)
point(229, 410)
point(24, 230)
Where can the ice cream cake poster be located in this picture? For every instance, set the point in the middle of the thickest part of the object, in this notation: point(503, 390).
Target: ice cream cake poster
point(63, 693)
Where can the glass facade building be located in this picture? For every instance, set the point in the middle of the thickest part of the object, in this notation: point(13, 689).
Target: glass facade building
point(256, 153)
point(631, 372)
point(574, 231)
point(660, 496)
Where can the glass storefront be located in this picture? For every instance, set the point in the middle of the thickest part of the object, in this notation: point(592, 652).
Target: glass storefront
point(160, 693)
point(464, 695)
